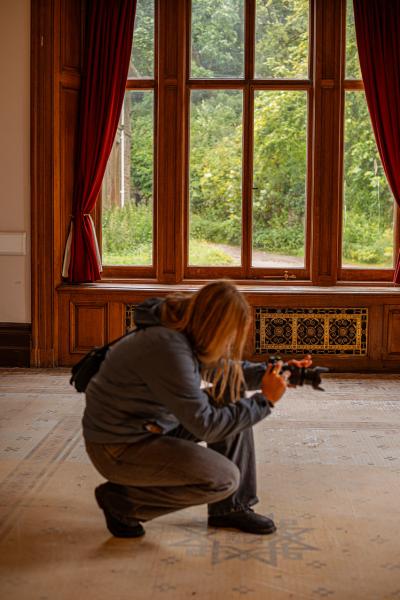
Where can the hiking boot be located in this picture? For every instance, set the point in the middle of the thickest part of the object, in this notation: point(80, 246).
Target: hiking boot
point(244, 520)
point(114, 525)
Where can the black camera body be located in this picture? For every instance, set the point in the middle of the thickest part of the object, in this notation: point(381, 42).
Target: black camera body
point(301, 375)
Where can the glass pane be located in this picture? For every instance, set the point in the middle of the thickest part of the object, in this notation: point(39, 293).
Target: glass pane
point(368, 203)
point(282, 39)
point(217, 39)
point(352, 62)
point(127, 191)
point(279, 180)
point(215, 184)
point(142, 55)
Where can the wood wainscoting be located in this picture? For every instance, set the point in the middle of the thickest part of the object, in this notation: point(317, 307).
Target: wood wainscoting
point(15, 344)
point(346, 329)
point(347, 326)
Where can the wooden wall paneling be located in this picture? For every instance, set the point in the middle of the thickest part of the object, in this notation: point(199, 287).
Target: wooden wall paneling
point(15, 344)
point(391, 334)
point(69, 49)
point(71, 19)
point(375, 330)
point(69, 104)
point(117, 324)
point(44, 304)
point(327, 76)
point(56, 43)
point(89, 325)
point(100, 314)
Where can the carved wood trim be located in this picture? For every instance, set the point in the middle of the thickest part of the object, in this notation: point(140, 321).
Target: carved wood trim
point(44, 301)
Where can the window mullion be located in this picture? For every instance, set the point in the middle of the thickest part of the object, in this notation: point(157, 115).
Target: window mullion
point(247, 165)
point(328, 62)
point(171, 139)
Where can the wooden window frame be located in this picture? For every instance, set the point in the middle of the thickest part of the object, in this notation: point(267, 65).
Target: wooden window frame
point(323, 241)
point(352, 274)
point(56, 70)
point(248, 84)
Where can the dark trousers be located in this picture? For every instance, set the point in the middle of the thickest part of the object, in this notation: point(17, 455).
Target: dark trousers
point(165, 473)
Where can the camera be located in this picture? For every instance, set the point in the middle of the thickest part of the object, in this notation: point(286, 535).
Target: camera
point(300, 375)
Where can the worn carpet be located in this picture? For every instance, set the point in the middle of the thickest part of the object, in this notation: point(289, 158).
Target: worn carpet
point(328, 473)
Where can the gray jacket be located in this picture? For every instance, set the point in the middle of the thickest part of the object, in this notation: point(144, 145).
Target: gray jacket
point(151, 379)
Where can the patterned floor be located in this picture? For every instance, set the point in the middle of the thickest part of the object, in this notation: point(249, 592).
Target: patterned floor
point(329, 474)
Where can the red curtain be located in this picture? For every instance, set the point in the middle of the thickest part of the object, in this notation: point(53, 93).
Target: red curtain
point(108, 43)
point(378, 39)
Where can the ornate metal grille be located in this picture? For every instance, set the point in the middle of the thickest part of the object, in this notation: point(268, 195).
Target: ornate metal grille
point(317, 330)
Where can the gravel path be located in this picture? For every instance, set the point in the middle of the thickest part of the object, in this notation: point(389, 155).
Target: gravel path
point(263, 259)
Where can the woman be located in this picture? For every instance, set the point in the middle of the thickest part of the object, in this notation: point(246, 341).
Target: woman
point(146, 411)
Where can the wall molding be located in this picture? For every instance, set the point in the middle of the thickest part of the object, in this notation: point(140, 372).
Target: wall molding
point(15, 344)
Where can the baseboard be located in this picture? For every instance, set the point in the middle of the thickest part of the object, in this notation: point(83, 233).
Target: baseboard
point(15, 344)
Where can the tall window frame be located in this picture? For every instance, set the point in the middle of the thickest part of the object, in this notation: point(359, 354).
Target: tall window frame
point(171, 215)
point(349, 274)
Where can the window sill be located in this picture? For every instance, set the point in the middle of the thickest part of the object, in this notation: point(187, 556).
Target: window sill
point(283, 288)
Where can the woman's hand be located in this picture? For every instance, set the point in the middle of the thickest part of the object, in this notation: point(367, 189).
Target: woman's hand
point(304, 362)
point(273, 385)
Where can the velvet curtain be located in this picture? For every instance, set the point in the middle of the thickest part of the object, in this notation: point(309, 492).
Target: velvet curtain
point(108, 43)
point(377, 25)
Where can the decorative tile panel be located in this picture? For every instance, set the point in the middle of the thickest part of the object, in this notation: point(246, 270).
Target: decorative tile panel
point(316, 330)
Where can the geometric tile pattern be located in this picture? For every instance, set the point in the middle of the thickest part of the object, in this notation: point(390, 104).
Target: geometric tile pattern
point(290, 543)
point(317, 330)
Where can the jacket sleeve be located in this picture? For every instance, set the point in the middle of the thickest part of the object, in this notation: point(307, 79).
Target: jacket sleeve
point(170, 370)
point(253, 373)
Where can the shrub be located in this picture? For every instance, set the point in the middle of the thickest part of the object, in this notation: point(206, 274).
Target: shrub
point(126, 228)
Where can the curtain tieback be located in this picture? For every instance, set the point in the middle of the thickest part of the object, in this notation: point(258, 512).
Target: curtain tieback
point(72, 217)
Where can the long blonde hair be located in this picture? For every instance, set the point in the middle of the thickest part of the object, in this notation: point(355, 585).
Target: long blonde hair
point(215, 319)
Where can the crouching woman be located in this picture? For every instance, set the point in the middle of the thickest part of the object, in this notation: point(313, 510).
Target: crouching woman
point(178, 380)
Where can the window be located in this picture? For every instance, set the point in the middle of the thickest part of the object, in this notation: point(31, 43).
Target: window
point(127, 196)
point(368, 205)
point(216, 164)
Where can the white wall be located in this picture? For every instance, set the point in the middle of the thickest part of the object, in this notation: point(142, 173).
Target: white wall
point(15, 156)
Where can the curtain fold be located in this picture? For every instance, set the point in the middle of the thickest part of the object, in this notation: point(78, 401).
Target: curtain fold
point(108, 43)
point(377, 24)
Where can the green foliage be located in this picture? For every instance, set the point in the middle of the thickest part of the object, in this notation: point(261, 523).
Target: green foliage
point(368, 203)
point(141, 122)
point(142, 56)
point(217, 38)
point(282, 39)
point(280, 136)
point(203, 253)
point(352, 62)
point(365, 243)
point(279, 171)
point(215, 230)
point(127, 232)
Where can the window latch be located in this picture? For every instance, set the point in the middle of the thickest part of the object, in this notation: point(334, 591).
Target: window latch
point(285, 276)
